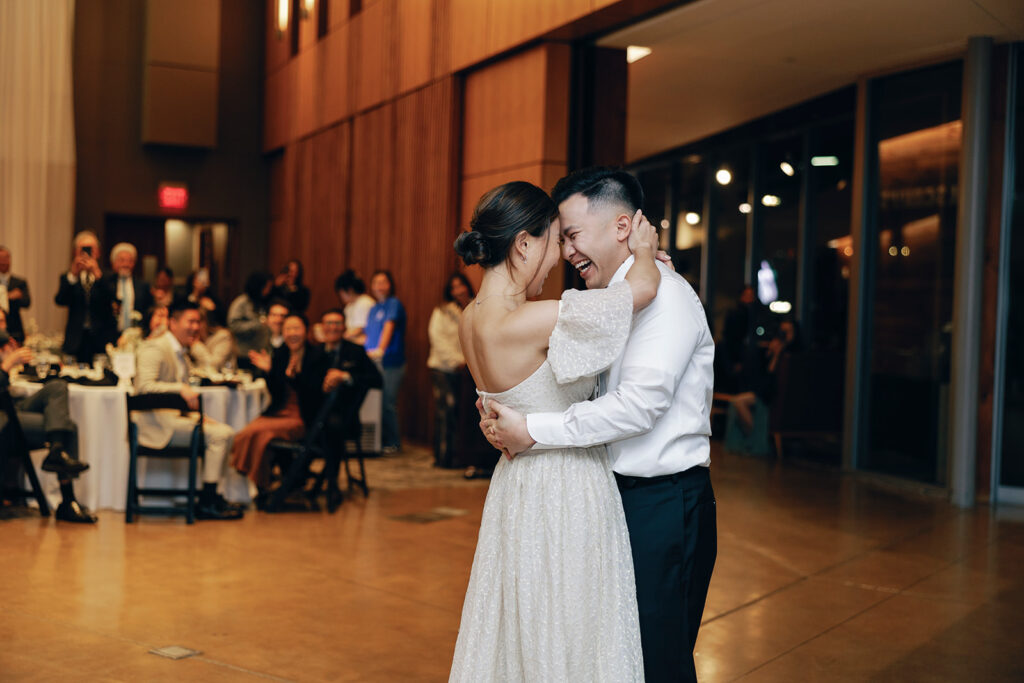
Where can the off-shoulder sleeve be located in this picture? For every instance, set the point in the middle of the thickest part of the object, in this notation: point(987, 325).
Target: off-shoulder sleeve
point(591, 331)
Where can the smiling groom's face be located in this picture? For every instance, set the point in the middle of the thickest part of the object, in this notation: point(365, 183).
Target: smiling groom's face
point(594, 238)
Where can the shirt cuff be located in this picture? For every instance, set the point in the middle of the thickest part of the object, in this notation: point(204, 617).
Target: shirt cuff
point(72, 279)
point(547, 429)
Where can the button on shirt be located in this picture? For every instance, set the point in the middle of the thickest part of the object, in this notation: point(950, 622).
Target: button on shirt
point(655, 404)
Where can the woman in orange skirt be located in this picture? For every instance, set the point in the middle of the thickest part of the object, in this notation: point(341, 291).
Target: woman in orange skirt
point(294, 376)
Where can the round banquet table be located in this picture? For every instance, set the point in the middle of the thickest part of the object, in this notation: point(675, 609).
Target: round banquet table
point(101, 416)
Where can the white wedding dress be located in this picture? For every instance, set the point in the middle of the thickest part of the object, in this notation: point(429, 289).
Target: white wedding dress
point(551, 596)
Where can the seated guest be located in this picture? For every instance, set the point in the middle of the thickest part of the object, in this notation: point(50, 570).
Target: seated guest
point(45, 417)
point(215, 347)
point(352, 294)
point(14, 296)
point(163, 287)
point(760, 374)
point(351, 372)
point(276, 313)
point(247, 317)
point(294, 375)
point(154, 324)
point(131, 293)
point(288, 286)
point(163, 366)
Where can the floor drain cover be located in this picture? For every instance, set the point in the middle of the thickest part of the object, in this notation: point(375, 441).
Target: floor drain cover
point(175, 652)
point(434, 515)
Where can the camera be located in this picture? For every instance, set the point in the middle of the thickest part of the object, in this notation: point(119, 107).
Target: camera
point(87, 250)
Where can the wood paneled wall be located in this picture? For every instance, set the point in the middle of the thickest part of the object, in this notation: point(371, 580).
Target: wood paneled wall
point(378, 192)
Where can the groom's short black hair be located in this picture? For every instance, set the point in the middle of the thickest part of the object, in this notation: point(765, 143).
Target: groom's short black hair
point(601, 185)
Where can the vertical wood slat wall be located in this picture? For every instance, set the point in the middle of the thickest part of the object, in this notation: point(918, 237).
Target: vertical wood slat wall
point(378, 169)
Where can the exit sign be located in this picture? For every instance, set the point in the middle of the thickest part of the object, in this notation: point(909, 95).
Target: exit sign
point(173, 196)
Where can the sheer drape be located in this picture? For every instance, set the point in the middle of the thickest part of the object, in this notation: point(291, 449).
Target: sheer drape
point(37, 147)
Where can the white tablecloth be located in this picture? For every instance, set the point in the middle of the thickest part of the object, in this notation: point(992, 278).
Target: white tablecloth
point(101, 416)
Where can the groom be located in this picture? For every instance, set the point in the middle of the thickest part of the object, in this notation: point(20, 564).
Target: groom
point(653, 412)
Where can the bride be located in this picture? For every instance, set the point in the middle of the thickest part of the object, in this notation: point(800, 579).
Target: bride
point(551, 595)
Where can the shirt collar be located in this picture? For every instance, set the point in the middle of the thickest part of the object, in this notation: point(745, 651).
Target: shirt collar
point(620, 274)
point(175, 344)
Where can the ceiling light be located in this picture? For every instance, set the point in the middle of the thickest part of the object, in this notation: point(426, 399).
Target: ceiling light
point(664, 223)
point(745, 208)
point(770, 200)
point(780, 307)
point(693, 218)
point(723, 176)
point(283, 10)
point(848, 251)
point(634, 53)
point(787, 168)
point(824, 161)
point(893, 251)
point(905, 251)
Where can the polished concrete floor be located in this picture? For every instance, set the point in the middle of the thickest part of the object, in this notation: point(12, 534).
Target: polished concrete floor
point(819, 578)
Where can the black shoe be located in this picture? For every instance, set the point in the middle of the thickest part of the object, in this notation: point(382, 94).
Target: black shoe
point(334, 498)
point(74, 511)
point(211, 510)
point(59, 461)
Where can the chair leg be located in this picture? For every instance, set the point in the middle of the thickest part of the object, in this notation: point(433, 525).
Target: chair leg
point(37, 489)
point(778, 445)
point(133, 497)
point(193, 461)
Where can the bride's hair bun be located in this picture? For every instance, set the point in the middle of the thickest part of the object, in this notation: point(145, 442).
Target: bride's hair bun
point(472, 248)
point(500, 215)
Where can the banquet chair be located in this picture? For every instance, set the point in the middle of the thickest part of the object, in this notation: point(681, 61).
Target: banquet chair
point(192, 452)
point(316, 444)
point(14, 442)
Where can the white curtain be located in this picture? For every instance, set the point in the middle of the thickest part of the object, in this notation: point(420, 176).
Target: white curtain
point(37, 148)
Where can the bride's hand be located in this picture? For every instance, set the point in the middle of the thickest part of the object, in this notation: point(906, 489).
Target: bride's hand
point(642, 234)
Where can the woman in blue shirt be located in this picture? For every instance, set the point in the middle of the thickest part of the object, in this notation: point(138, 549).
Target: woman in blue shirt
point(385, 345)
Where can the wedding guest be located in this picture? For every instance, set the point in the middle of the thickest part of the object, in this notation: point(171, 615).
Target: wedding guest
point(247, 316)
point(294, 374)
point(163, 366)
point(760, 374)
point(154, 324)
point(447, 365)
point(14, 296)
point(385, 345)
point(197, 290)
point(276, 313)
point(91, 324)
point(289, 286)
point(163, 287)
point(357, 303)
point(215, 347)
point(351, 373)
point(45, 418)
point(131, 293)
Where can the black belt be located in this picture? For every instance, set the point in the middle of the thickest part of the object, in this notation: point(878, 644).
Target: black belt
point(629, 482)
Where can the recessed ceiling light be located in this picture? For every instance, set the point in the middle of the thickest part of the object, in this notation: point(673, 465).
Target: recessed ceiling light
point(692, 217)
point(723, 176)
point(787, 168)
point(745, 208)
point(824, 161)
point(770, 200)
point(634, 53)
point(781, 307)
point(664, 223)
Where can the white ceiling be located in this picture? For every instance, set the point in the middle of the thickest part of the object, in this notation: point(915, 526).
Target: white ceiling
point(718, 63)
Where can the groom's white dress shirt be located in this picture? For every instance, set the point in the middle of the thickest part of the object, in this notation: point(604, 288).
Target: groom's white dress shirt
point(654, 406)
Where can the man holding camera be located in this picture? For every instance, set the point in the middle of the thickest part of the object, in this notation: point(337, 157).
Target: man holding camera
point(89, 300)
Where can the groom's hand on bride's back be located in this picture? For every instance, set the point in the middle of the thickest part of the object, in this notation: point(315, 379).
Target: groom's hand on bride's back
point(505, 428)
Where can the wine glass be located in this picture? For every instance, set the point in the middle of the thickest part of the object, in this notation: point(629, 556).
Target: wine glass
point(42, 366)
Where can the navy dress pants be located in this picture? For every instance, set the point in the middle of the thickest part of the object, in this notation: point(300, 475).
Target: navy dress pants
point(674, 538)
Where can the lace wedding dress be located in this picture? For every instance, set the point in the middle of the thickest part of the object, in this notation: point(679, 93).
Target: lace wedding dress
point(551, 596)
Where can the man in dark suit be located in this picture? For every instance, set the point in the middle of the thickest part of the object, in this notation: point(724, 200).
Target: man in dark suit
point(14, 296)
point(90, 302)
point(351, 373)
point(45, 420)
point(132, 295)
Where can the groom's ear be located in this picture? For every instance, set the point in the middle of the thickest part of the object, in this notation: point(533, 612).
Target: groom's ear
point(623, 226)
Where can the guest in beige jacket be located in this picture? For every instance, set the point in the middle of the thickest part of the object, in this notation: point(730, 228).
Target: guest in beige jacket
point(163, 366)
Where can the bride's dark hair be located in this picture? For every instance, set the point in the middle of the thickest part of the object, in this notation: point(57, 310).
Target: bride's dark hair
point(500, 215)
